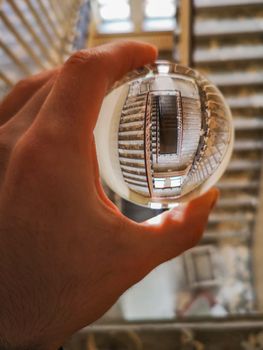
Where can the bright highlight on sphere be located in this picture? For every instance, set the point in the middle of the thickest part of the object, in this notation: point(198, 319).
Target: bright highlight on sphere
point(164, 135)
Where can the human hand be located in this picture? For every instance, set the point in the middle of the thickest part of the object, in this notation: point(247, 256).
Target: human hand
point(67, 253)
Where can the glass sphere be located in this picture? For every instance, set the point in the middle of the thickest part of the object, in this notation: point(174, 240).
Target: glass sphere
point(164, 135)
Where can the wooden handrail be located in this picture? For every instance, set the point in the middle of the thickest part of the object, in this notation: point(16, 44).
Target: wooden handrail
point(186, 8)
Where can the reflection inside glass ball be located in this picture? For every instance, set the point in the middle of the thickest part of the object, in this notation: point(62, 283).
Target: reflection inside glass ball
point(164, 135)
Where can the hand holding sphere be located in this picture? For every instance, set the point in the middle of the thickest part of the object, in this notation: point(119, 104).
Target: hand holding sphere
point(164, 135)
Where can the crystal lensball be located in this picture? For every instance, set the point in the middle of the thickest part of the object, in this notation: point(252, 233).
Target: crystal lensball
point(164, 135)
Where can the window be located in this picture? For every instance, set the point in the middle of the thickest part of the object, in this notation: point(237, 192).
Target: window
point(113, 16)
point(117, 10)
point(159, 9)
point(122, 16)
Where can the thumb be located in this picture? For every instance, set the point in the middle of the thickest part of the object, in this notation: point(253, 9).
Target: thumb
point(171, 233)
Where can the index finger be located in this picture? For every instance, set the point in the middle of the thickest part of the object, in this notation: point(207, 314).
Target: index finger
point(76, 98)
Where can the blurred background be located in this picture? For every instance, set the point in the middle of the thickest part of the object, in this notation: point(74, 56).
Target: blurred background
point(212, 296)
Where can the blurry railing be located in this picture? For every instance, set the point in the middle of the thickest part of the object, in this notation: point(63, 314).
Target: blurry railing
point(37, 35)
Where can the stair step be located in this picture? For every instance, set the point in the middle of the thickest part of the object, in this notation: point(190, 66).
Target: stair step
point(228, 53)
point(227, 27)
point(231, 217)
point(253, 123)
point(237, 78)
point(225, 3)
point(237, 185)
point(240, 165)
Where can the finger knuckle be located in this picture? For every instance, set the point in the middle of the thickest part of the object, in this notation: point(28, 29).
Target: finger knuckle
point(25, 151)
point(77, 58)
point(22, 84)
point(87, 57)
point(34, 151)
point(5, 143)
point(6, 147)
point(5, 151)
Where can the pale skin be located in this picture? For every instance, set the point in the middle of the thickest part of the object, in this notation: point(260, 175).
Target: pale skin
point(67, 253)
